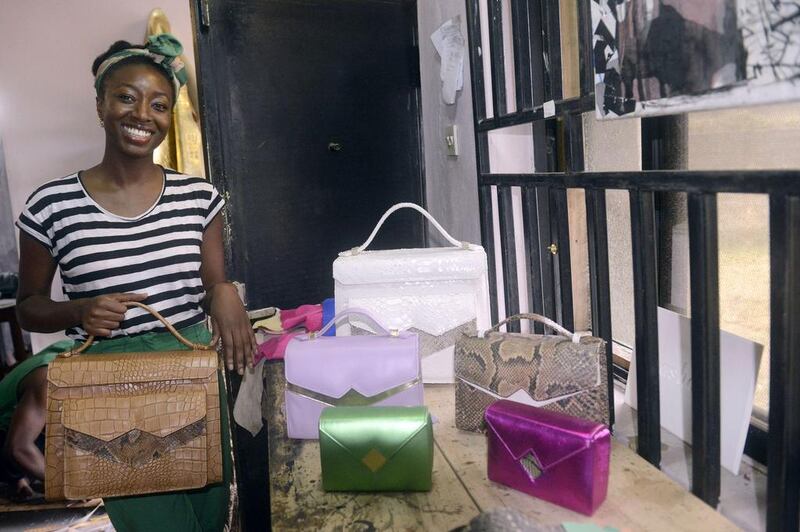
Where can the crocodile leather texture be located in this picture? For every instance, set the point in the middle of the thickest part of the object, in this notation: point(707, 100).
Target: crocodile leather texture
point(547, 371)
point(132, 423)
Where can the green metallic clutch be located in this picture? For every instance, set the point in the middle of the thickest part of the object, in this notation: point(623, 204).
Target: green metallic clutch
point(376, 448)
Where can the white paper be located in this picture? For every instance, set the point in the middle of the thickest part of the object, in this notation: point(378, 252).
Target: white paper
point(549, 108)
point(450, 45)
point(739, 360)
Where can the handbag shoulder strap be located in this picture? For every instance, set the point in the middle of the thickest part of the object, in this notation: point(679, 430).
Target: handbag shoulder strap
point(162, 319)
point(541, 319)
point(382, 331)
point(397, 207)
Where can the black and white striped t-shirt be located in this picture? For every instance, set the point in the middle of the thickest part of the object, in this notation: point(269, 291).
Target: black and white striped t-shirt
point(157, 252)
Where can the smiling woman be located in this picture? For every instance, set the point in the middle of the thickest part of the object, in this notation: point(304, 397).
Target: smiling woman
point(129, 230)
point(134, 109)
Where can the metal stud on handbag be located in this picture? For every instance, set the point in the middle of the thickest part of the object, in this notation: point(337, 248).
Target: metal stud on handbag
point(563, 373)
point(122, 424)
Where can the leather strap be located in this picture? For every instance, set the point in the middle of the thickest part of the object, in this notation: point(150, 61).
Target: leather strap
point(541, 319)
point(162, 319)
point(406, 205)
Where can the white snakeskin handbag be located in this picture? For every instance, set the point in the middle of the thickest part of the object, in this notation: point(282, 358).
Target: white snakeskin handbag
point(437, 293)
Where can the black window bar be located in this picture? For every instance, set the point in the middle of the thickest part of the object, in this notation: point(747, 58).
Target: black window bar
point(537, 79)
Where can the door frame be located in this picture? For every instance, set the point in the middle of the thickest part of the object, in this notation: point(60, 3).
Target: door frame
point(214, 113)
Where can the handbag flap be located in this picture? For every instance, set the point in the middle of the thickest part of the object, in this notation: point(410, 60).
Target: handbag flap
point(369, 433)
point(410, 265)
point(427, 313)
point(550, 436)
point(368, 365)
point(159, 414)
point(543, 367)
point(122, 368)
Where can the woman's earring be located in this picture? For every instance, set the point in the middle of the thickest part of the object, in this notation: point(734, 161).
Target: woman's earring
point(101, 124)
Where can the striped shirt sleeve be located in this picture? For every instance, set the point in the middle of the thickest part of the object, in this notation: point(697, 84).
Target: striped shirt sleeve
point(31, 220)
point(215, 205)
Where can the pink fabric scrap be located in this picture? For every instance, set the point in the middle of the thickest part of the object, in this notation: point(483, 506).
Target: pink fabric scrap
point(275, 347)
point(307, 316)
point(303, 319)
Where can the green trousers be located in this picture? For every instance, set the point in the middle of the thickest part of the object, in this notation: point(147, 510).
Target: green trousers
point(199, 510)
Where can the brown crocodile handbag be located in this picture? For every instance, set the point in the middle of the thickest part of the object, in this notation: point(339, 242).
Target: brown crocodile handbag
point(562, 372)
point(132, 423)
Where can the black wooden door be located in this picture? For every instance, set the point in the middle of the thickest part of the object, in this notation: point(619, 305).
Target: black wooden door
point(311, 116)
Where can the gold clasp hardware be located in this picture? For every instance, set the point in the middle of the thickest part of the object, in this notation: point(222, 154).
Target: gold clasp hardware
point(312, 335)
point(553, 248)
point(394, 332)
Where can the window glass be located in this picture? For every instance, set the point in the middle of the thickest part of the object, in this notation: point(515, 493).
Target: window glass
point(753, 138)
point(508, 57)
point(749, 138)
point(613, 145)
point(486, 57)
point(570, 56)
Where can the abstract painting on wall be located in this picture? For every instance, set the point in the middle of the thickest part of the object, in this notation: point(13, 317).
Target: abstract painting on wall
point(656, 57)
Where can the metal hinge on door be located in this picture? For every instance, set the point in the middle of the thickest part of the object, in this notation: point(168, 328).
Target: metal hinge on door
point(204, 10)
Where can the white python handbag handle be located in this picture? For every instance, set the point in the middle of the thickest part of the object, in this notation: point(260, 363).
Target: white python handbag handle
point(406, 205)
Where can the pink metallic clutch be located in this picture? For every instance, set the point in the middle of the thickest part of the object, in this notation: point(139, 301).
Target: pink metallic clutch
point(552, 456)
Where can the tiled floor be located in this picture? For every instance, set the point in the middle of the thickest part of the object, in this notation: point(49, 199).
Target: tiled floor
point(742, 498)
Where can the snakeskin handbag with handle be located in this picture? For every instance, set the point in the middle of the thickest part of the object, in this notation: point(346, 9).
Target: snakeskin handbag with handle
point(132, 423)
point(563, 373)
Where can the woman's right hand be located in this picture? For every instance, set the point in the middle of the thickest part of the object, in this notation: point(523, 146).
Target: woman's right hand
point(102, 314)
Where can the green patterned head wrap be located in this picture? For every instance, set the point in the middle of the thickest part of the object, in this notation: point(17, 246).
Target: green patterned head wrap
point(163, 50)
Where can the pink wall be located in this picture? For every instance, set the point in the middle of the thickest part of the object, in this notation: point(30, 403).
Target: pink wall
point(48, 121)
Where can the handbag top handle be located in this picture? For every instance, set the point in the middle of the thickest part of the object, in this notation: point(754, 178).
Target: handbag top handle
point(381, 330)
point(538, 317)
point(406, 205)
point(162, 319)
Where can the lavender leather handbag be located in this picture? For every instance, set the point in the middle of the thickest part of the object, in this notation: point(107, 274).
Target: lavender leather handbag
point(382, 368)
point(550, 455)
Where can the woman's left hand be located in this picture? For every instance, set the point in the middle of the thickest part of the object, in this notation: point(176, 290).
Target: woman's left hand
point(230, 323)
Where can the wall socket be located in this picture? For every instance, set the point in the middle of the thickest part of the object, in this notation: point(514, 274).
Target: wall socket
point(451, 140)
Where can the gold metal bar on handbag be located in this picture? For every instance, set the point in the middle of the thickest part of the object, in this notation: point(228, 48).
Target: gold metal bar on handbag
point(122, 424)
point(352, 397)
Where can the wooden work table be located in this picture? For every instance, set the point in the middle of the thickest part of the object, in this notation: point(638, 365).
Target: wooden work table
point(640, 497)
